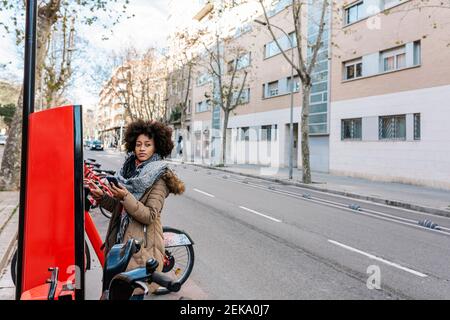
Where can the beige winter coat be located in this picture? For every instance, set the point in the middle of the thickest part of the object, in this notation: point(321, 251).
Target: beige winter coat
point(145, 224)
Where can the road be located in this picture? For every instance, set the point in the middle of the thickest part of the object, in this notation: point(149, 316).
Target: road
point(259, 240)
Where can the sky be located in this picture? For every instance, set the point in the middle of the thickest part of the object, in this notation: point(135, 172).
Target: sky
point(149, 28)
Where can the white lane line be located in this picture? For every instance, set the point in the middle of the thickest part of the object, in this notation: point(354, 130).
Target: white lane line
point(205, 193)
point(392, 264)
point(327, 203)
point(259, 214)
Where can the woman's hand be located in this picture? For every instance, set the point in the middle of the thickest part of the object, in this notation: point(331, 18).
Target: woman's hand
point(96, 192)
point(119, 192)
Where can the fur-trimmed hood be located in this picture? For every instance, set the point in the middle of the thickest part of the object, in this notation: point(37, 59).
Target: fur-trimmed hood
point(174, 184)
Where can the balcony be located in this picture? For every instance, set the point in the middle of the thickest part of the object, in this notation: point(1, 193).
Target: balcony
point(207, 8)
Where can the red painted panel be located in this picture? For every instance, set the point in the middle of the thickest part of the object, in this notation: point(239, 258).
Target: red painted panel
point(49, 239)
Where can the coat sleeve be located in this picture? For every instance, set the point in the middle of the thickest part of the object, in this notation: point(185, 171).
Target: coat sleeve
point(148, 212)
point(108, 203)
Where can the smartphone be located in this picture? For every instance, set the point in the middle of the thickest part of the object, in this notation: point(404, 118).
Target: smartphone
point(113, 180)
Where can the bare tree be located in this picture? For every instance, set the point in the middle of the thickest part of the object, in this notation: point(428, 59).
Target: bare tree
point(181, 77)
point(138, 84)
point(230, 83)
point(48, 14)
point(58, 66)
point(303, 65)
point(209, 50)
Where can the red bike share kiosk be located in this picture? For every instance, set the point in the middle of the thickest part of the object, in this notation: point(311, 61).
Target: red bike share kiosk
point(51, 217)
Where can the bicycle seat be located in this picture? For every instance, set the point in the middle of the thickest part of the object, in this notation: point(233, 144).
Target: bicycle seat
point(118, 259)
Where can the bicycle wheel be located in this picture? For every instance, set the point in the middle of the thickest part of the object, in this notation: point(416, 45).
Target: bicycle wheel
point(178, 261)
point(14, 262)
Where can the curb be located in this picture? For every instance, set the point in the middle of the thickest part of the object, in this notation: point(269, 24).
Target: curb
point(10, 228)
point(393, 203)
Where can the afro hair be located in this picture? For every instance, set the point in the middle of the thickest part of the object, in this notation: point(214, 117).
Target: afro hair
point(159, 132)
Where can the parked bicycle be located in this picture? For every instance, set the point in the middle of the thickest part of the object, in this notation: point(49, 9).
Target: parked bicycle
point(179, 250)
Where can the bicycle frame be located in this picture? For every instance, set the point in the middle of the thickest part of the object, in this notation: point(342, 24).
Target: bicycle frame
point(94, 237)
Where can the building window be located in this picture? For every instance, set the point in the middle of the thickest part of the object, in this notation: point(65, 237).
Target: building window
point(266, 133)
point(354, 13)
point(353, 69)
point(272, 89)
point(393, 59)
point(245, 96)
point(203, 79)
point(417, 127)
point(271, 49)
point(245, 134)
point(278, 7)
point(241, 63)
point(296, 87)
point(351, 129)
point(203, 106)
point(392, 128)
point(242, 30)
point(417, 53)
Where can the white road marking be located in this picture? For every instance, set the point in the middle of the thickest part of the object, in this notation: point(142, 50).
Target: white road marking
point(341, 206)
point(205, 193)
point(392, 264)
point(260, 214)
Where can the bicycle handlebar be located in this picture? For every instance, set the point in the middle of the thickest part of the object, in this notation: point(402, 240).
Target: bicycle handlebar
point(166, 282)
point(111, 172)
point(123, 285)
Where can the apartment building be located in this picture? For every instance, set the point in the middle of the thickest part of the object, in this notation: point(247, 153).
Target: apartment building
point(258, 129)
point(136, 90)
point(390, 92)
point(379, 101)
point(110, 113)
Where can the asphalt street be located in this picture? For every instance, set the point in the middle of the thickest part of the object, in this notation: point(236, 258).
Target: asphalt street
point(259, 240)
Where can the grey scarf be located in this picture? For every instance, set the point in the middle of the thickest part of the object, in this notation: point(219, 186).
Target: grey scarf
point(147, 173)
point(143, 178)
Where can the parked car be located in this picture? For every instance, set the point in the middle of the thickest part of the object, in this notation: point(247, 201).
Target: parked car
point(96, 145)
point(87, 143)
point(3, 139)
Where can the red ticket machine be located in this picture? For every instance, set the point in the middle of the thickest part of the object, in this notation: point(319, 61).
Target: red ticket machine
point(50, 259)
point(51, 244)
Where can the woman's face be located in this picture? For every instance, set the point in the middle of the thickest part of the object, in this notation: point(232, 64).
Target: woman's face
point(145, 148)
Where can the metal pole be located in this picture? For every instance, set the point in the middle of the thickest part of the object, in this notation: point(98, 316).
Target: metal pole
point(291, 147)
point(28, 108)
point(291, 122)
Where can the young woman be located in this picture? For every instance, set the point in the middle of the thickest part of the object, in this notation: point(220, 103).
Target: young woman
point(145, 182)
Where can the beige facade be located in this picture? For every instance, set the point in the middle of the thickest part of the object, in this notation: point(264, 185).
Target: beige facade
point(389, 121)
point(385, 73)
point(393, 28)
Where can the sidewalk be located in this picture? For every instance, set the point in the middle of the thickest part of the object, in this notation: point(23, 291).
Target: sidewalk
point(9, 213)
point(423, 199)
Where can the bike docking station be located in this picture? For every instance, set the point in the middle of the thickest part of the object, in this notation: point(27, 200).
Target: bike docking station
point(51, 217)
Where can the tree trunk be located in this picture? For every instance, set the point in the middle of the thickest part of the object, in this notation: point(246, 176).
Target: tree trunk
point(10, 168)
point(224, 138)
point(184, 136)
point(305, 134)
